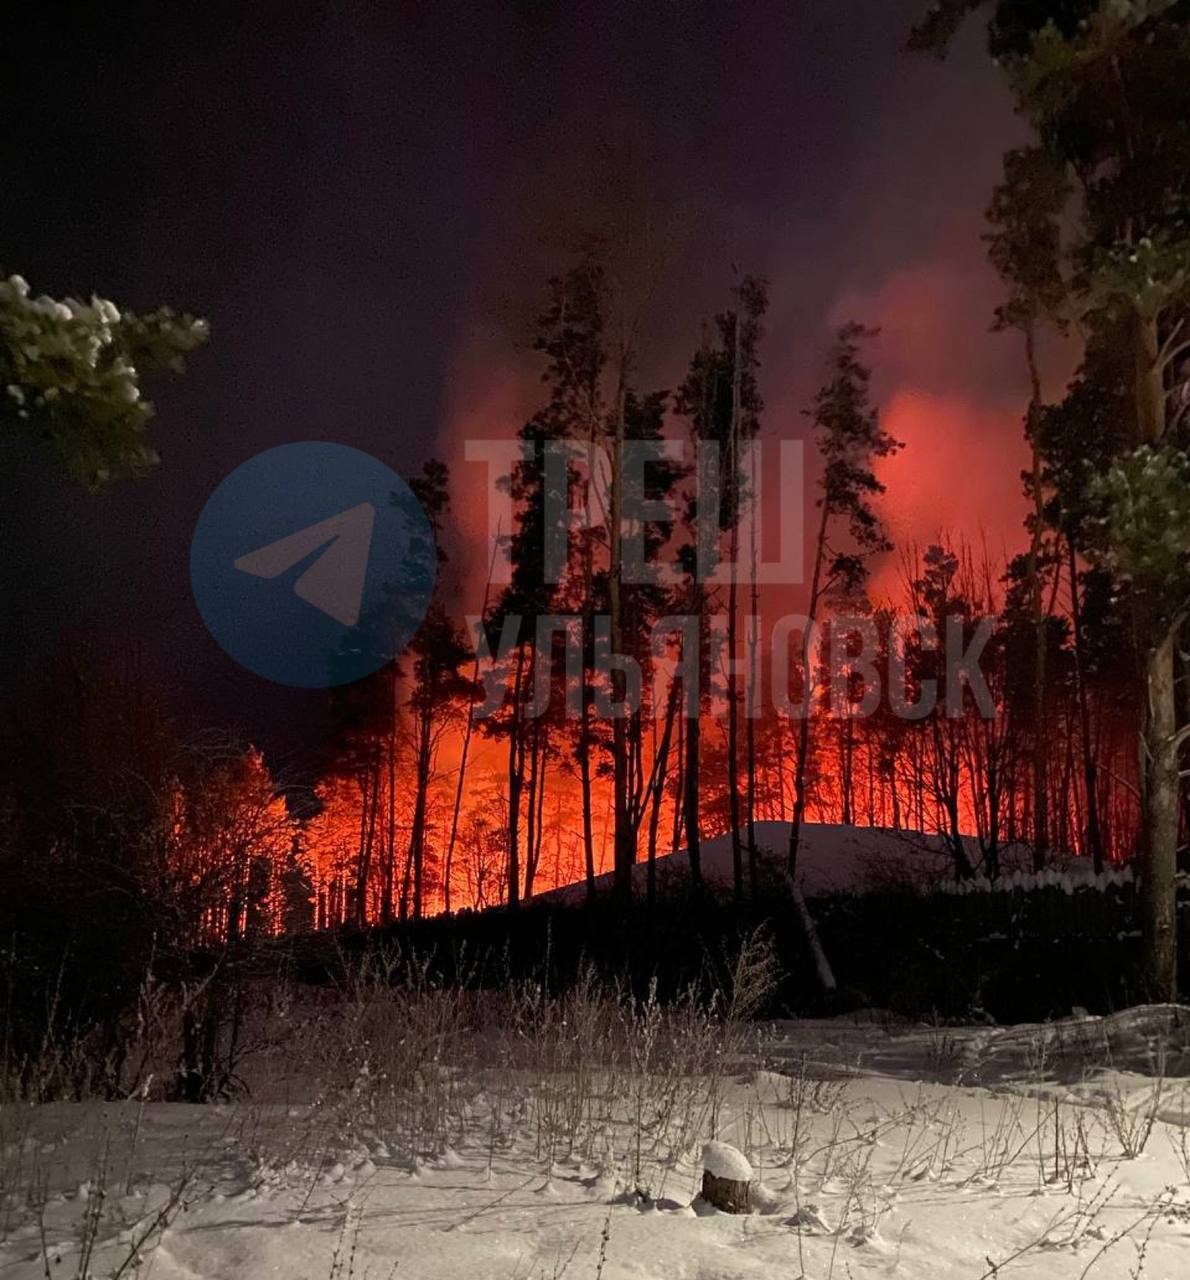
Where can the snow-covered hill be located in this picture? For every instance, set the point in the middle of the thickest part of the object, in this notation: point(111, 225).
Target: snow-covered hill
point(843, 859)
point(831, 859)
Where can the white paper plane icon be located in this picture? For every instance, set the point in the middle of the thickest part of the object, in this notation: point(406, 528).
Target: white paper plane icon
point(334, 583)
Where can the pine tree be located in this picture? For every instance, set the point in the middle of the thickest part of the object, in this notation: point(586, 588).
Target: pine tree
point(570, 335)
point(850, 438)
point(1106, 86)
point(1025, 247)
point(721, 399)
point(439, 653)
point(71, 375)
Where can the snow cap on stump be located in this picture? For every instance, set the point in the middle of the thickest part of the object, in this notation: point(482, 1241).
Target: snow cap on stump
point(726, 1178)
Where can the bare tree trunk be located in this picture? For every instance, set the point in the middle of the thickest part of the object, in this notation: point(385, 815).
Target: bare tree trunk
point(623, 832)
point(992, 853)
point(533, 733)
point(585, 743)
point(452, 839)
point(390, 847)
point(1159, 885)
point(675, 842)
point(1159, 747)
point(363, 877)
point(657, 787)
point(692, 709)
point(803, 733)
point(754, 701)
point(1040, 789)
point(947, 780)
point(584, 768)
point(847, 770)
point(516, 778)
point(733, 691)
point(1090, 775)
point(417, 835)
point(1180, 646)
point(535, 831)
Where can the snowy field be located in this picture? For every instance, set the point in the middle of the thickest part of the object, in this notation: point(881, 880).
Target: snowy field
point(878, 1148)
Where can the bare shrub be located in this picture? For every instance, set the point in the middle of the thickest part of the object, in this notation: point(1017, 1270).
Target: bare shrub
point(1129, 1121)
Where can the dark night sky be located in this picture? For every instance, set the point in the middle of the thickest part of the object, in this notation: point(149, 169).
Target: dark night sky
point(355, 195)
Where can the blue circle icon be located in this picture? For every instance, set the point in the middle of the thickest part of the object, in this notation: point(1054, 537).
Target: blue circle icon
point(313, 564)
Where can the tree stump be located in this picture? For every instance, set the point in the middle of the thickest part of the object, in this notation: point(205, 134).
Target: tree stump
point(726, 1178)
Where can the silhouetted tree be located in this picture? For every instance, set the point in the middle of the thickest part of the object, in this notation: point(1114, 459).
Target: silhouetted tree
point(850, 438)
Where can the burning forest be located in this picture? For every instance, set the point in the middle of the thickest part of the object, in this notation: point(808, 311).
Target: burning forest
point(642, 610)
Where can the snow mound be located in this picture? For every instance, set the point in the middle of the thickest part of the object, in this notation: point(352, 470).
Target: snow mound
point(831, 859)
point(721, 1160)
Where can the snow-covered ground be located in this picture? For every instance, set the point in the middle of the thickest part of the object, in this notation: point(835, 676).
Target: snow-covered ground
point(879, 1149)
point(837, 859)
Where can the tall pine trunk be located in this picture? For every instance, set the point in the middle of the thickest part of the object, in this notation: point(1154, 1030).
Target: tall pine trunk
point(624, 830)
point(364, 875)
point(584, 766)
point(1159, 752)
point(733, 688)
point(586, 743)
point(1161, 812)
point(657, 788)
point(516, 782)
point(753, 704)
point(390, 848)
point(803, 729)
point(1040, 772)
point(1090, 773)
point(417, 836)
point(452, 840)
point(692, 710)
